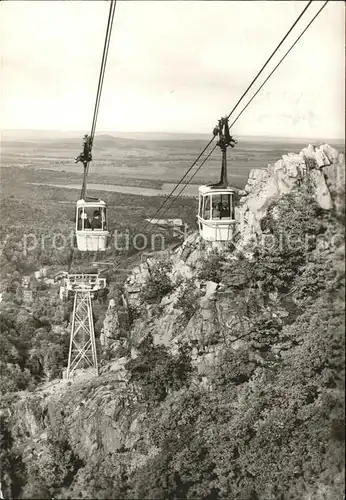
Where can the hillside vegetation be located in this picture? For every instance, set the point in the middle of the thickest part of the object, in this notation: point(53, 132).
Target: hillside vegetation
point(253, 409)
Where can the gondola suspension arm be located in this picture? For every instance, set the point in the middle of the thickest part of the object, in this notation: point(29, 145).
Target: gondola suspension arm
point(85, 157)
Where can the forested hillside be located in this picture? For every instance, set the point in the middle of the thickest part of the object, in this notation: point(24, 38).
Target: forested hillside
point(225, 382)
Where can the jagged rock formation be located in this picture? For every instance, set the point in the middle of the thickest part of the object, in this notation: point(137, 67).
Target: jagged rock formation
point(323, 166)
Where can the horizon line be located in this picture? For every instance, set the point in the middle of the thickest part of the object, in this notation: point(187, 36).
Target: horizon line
point(109, 131)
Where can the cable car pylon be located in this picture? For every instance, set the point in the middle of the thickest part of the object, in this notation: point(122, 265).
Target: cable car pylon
point(82, 349)
point(91, 234)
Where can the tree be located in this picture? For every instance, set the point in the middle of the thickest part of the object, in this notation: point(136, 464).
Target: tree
point(158, 283)
point(157, 372)
point(188, 299)
point(55, 466)
point(210, 267)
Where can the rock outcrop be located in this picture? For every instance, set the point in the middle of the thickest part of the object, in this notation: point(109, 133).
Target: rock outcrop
point(322, 166)
point(111, 325)
point(114, 333)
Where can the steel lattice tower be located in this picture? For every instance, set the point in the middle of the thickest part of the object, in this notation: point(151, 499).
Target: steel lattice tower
point(82, 352)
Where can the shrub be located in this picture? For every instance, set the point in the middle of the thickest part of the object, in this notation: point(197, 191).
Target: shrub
point(158, 284)
point(11, 465)
point(158, 372)
point(133, 314)
point(238, 274)
point(14, 379)
point(54, 467)
point(294, 222)
point(188, 299)
point(235, 367)
point(295, 216)
point(210, 267)
point(276, 268)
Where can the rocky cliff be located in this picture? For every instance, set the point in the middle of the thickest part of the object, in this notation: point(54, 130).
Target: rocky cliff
point(323, 167)
point(226, 376)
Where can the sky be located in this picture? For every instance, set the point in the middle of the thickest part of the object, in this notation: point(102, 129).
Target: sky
point(173, 66)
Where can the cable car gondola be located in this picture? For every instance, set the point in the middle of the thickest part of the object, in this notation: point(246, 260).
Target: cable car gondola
point(91, 217)
point(91, 226)
point(216, 216)
point(91, 222)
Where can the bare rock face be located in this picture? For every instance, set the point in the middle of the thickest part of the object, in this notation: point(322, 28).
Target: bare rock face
point(111, 324)
point(322, 165)
point(186, 258)
point(135, 283)
point(203, 328)
point(163, 328)
point(114, 328)
point(93, 414)
point(335, 178)
point(162, 321)
point(191, 244)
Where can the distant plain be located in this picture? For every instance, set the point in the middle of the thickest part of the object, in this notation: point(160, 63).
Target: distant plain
point(139, 162)
point(130, 173)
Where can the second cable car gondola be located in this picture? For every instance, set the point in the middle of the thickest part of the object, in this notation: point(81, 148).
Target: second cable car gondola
point(216, 212)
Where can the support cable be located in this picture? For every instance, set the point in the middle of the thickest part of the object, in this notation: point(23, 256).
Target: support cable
point(86, 161)
point(252, 98)
point(238, 102)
